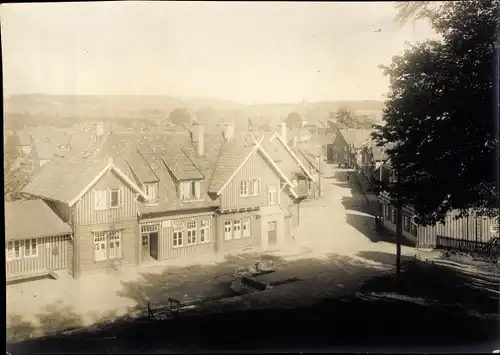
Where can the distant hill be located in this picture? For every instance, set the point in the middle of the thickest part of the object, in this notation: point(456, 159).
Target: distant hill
point(40, 109)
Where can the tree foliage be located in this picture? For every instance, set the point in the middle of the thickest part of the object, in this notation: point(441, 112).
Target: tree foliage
point(293, 120)
point(440, 115)
point(179, 116)
point(347, 118)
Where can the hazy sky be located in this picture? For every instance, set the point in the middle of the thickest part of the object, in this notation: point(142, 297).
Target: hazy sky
point(247, 52)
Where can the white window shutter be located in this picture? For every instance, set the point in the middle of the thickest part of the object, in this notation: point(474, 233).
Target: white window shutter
point(181, 190)
point(198, 189)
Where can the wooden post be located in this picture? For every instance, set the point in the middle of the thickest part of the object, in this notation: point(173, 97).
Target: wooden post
point(398, 224)
point(319, 177)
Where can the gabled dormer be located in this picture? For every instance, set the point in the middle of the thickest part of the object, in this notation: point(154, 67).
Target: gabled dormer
point(185, 174)
point(145, 176)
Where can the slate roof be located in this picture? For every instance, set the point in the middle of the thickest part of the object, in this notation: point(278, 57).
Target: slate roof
point(45, 150)
point(181, 167)
point(282, 157)
point(42, 220)
point(231, 156)
point(140, 167)
point(62, 179)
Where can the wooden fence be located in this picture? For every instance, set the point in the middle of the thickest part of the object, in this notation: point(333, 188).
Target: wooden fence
point(463, 233)
point(460, 244)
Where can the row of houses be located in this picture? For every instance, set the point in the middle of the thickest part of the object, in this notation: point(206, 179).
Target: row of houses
point(137, 198)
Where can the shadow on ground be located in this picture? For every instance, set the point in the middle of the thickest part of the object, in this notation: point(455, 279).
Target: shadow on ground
point(366, 225)
point(427, 306)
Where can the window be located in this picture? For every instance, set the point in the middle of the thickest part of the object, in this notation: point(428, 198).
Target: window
point(414, 228)
point(237, 229)
point(244, 188)
point(191, 232)
point(107, 245)
point(178, 228)
point(100, 200)
point(145, 239)
point(114, 245)
point(100, 246)
point(246, 227)
point(254, 187)
point(228, 231)
point(386, 212)
point(30, 248)
point(115, 198)
point(271, 195)
point(393, 219)
point(13, 250)
point(152, 191)
point(190, 190)
point(205, 230)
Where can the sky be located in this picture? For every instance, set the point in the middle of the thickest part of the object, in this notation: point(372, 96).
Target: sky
point(240, 51)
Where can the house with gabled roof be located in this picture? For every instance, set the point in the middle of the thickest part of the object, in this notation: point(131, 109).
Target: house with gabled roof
point(98, 198)
point(39, 248)
point(347, 144)
point(135, 198)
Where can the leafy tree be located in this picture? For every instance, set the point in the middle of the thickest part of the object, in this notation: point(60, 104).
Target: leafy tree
point(440, 115)
point(179, 117)
point(348, 119)
point(293, 120)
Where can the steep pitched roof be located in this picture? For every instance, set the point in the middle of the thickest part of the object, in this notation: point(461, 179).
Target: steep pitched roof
point(181, 166)
point(140, 167)
point(67, 179)
point(232, 156)
point(291, 153)
point(45, 150)
point(42, 220)
point(356, 137)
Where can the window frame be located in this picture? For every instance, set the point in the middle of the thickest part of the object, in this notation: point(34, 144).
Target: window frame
point(151, 191)
point(244, 188)
point(191, 239)
point(237, 230)
point(103, 205)
point(254, 187)
point(117, 238)
point(97, 236)
point(30, 242)
point(205, 230)
point(13, 248)
point(119, 198)
point(178, 228)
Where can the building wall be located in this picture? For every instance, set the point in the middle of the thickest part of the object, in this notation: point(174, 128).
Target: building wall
point(54, 253)
point(255, 231)
point(84, 243)
point(281, 229)
point(255, 168)
point(86, 214)
point(166, 250)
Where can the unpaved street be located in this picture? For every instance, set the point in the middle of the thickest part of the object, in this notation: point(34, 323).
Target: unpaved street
point(334, 252)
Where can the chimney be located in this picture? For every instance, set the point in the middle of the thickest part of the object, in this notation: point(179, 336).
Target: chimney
point(228, 131)
point(197, 138)
point(283, 131)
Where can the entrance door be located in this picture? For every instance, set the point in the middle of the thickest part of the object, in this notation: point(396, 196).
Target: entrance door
point(272, 235)
point(145, 248)
point(153, 245)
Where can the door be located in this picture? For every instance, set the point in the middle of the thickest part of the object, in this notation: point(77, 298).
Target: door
point(272, 235)
point(145, 246)
point(153, 245)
